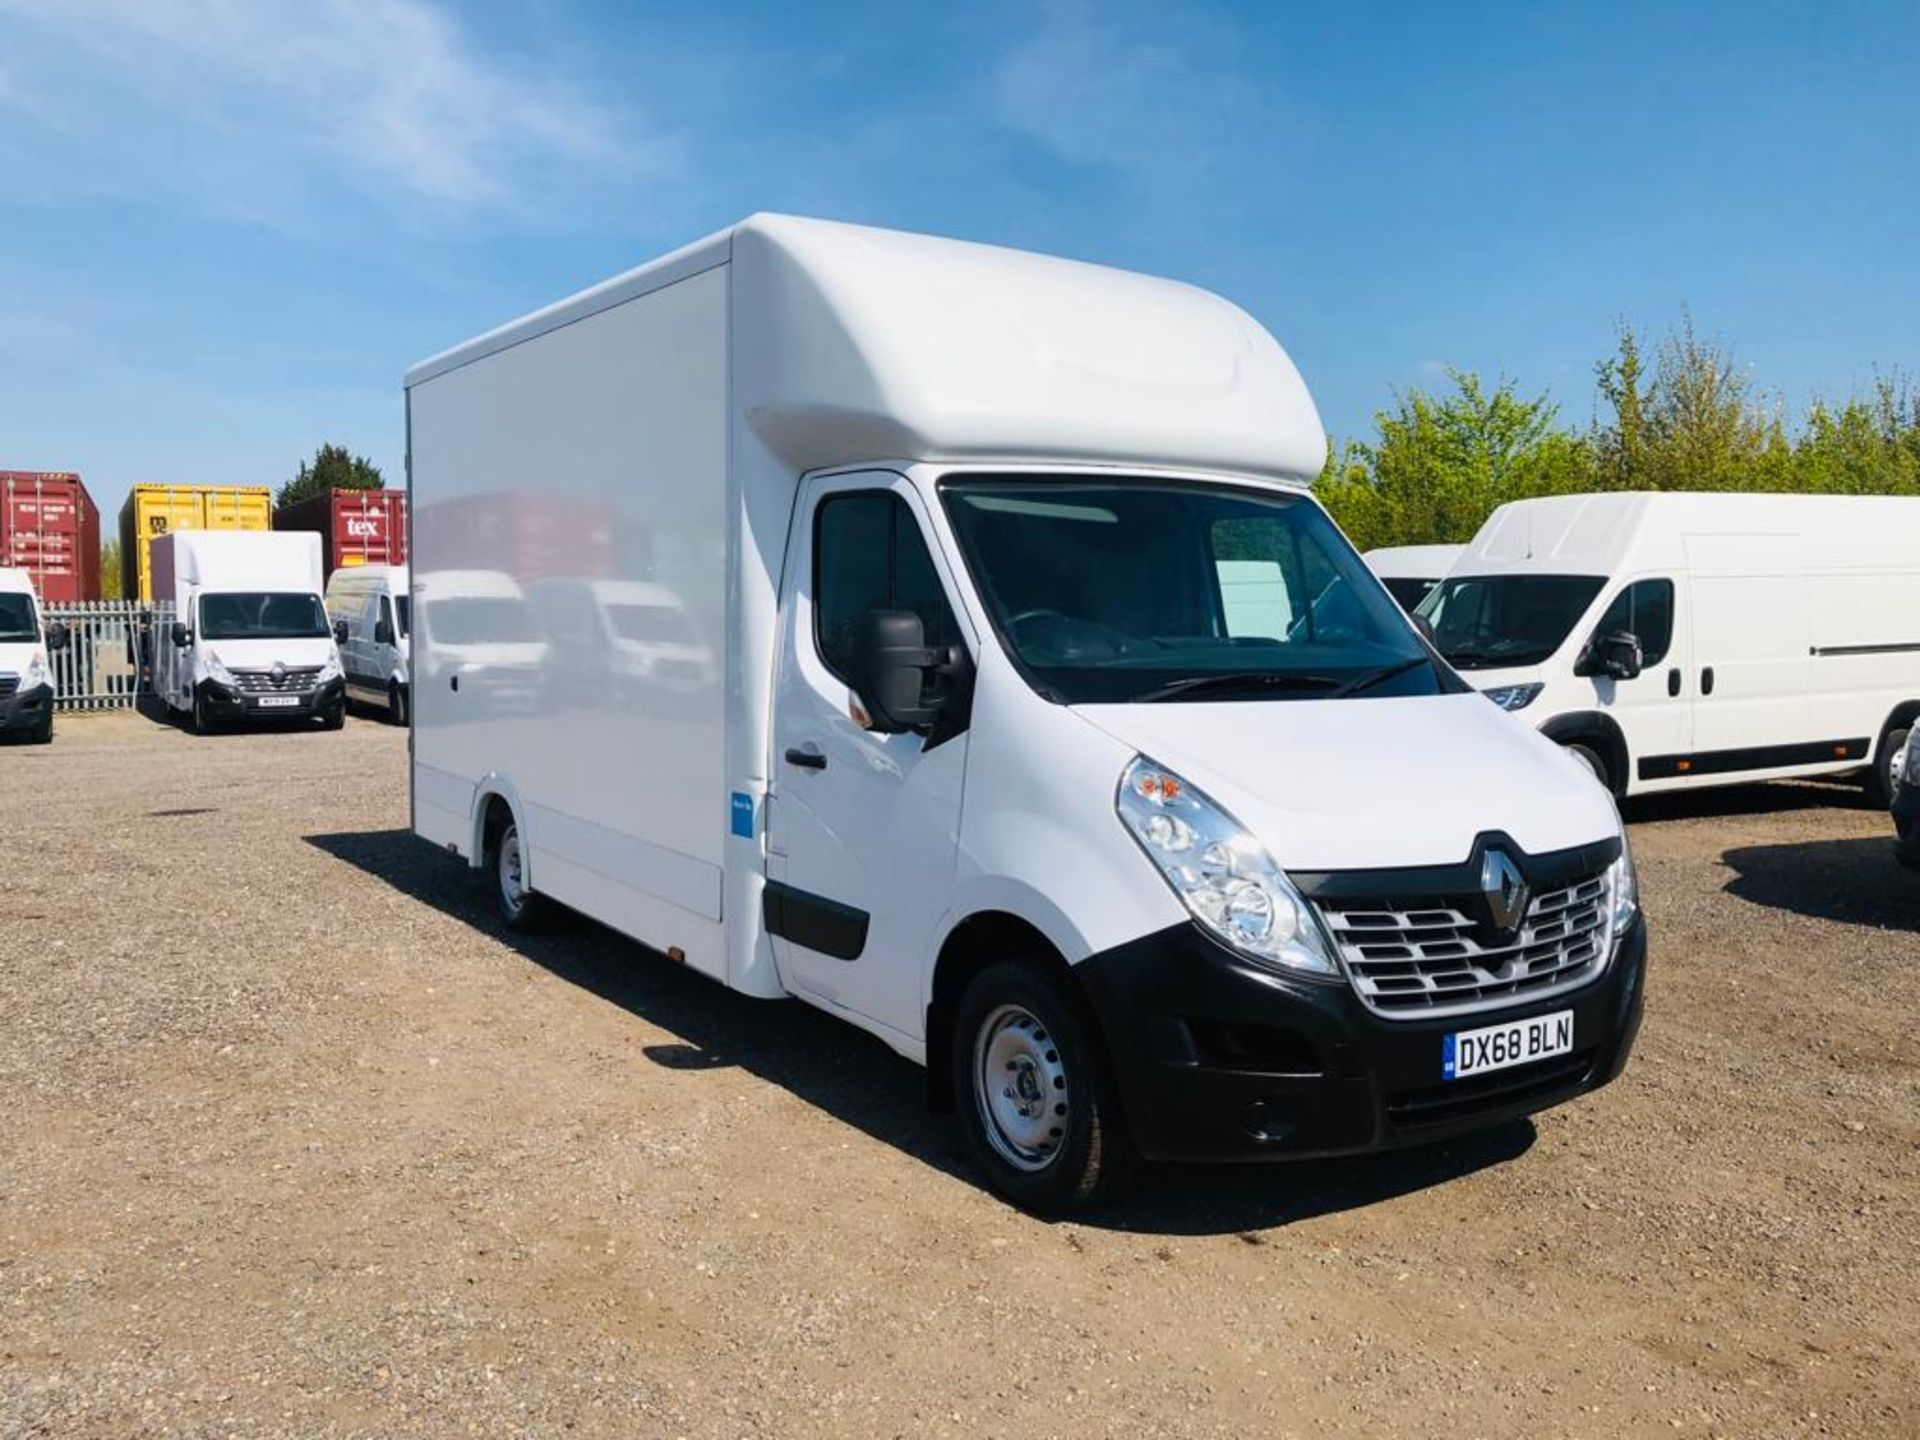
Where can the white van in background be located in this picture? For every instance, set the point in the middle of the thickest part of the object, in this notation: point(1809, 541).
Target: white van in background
point(250, 638)
point(26, 676)
point(373, 602)
point(1675, 640)
point(1411, 571)
point(1058, 737)
point(634, 635)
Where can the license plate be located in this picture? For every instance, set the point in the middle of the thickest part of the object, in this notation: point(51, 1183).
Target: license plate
point(1499, 1047)
point(271, 702)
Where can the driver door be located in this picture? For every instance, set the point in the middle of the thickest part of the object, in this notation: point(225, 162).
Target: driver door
point(862, 828)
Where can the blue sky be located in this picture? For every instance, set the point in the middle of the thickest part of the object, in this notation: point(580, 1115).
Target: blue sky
point(227, 227)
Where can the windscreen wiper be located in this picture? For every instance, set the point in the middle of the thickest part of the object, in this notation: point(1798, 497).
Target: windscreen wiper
point(1239, 680)
point(1375, 677)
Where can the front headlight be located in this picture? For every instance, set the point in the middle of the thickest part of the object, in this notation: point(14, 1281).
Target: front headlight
point(330, 670)
point(1222, 874)
point(215, 670)
point(1623, 891)
point(1514, 697)
point(36, 673)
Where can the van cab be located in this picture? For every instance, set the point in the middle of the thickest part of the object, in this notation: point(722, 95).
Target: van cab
point(1674, 640)
point(26, 676)
point(1411, 571)
point(1057, 737)
point(374, 603)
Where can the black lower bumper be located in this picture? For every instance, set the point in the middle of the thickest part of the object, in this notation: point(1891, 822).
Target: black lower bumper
point(1906, 823)
point(26, 709)
point(1221, 1059)
point(229, 704)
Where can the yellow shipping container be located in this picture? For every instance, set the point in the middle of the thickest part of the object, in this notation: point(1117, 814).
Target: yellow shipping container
point(162, 509)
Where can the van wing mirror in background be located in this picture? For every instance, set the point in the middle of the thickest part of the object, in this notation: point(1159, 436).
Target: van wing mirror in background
point(339, 632)
point(57, 636)
point(1424, 626)
point(1615, 655)
point(182, 636)
point(383, 632)
point(890, 662)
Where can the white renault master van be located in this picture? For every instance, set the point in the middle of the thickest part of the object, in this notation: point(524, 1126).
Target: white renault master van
point(1058, 738)
point(374, 604)
point(1678, 640)
point(26, 677)
point(250, 639)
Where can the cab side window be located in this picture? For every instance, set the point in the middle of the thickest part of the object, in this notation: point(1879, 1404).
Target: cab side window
point(386, 615)
point(869, 553)
point(1644, 609)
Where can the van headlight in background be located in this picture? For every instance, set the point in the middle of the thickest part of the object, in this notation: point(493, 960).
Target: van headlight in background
point(1623, 891)
point(214, 669)
point(36, 673)
point(1221, 873)
point(329, 671)
point(1514, 697)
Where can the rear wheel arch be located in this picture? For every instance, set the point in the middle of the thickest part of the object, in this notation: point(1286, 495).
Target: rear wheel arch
point(1600, 734)
point(1879, 782)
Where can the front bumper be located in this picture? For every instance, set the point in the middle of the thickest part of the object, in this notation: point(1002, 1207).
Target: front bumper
point(26, 709)
point(230, 704)
point(1906, 823)
point(1221, 1059)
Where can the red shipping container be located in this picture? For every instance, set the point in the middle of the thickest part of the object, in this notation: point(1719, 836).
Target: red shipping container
point(356, 527)
point(50, 528)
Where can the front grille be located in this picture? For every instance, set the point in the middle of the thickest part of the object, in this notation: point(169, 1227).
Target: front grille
point(289, 682)
point(1412, 961)
point(8, 684)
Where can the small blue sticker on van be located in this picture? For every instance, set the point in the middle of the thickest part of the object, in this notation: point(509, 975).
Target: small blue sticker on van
point(743, 815)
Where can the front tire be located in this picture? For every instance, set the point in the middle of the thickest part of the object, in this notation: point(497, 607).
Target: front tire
point(44, 735)
point(334, 717)
point(397, 703)
point(200, 719)
point(523, 910)
point(1035, 1096)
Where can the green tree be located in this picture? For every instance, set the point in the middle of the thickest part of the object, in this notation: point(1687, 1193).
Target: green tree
point(1441, 463)
point(110, 570)
point(332, 468)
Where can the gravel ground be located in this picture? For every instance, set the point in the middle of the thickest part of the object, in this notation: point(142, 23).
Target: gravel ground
point(295, 1143)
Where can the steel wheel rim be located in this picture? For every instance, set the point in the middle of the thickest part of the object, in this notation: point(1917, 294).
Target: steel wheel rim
point(1020, 1088)
point(513, 882)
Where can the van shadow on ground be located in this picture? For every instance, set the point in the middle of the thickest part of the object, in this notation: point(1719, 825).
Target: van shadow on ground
point(855, 1078)
point(1854, 882)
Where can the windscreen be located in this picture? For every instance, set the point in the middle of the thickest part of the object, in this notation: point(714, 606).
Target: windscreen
point(1408, 590)
point(1486, 622)
point(262, 615)
point(17, 620)
point(1146, 590)
point(481, 620)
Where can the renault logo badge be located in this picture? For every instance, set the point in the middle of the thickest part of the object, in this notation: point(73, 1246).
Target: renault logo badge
point(1506, 890)
point(279, 673)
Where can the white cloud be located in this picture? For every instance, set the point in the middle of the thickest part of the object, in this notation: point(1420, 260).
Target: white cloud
point(265, 107)
point(1148, 92)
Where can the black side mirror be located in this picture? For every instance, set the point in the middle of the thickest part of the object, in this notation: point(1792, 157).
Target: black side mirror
point(182, 636)
point(339, 632)
point(382, 632)
point(890, 663)
point(57, 636)
point(1615, 655)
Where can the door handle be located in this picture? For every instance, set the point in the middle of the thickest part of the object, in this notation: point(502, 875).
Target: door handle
point(1706, 681)
point(1673, 681)
point(806, 759)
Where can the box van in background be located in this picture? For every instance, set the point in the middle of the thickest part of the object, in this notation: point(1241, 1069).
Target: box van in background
point(373, 602)
point(250, 638)
point(1677, 640)
point(991, 763)
point(26, 676)
point(1411, 571)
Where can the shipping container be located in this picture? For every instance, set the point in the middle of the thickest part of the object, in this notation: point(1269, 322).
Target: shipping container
point(356, 527)
point(164, 509)
point(50, 528)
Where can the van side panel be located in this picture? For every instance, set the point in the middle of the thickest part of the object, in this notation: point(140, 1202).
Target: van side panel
point(545, 473)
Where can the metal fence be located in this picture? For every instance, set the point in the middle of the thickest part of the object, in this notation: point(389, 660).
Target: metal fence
point(107, 659)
